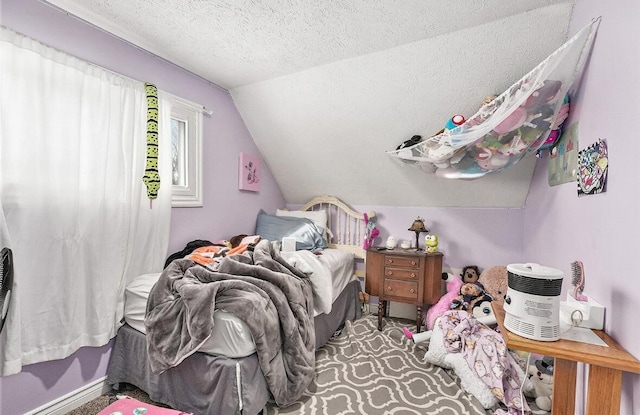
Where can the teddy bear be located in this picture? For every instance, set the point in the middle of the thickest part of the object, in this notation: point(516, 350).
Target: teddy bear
point(542, 379)
point(470, 273)
point(495, 281)
point(471, 294)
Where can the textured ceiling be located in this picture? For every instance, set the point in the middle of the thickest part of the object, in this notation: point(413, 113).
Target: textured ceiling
point(326, 87)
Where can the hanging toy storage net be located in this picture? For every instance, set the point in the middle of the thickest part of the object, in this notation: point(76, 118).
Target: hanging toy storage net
point(510, 126)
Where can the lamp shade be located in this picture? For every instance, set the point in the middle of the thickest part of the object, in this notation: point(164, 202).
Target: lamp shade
point(418, 225)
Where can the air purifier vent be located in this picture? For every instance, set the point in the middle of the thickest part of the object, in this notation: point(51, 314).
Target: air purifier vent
point(550, 332)
point(535, 285)
point(519, 327)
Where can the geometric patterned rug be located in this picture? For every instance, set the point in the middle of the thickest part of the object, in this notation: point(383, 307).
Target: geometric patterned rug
point(366, 371)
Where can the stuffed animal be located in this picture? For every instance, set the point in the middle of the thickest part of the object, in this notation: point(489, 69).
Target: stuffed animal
point(431, 243)
point(453, 284)
point(471, 294)
point(370, 232)
point(494, 279)
point(542, 380)
point(470, 273)
point(453, 122)
point(483, 312)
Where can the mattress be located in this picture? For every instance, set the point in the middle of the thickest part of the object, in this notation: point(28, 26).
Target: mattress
point(230, 336)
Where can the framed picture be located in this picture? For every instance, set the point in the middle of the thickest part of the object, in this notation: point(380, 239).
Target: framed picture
point(249, 172)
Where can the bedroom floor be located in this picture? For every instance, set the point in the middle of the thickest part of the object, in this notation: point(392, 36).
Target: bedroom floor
point(367, 371)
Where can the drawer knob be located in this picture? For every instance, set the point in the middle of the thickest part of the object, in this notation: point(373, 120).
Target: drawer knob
point(413, 291)
point(390, 261)
point(389, 289)
point(389, 272)
point(413, 275)
point(413, 263)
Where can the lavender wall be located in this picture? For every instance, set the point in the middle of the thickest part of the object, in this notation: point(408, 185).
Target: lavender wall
point(227, 211)
point(600, 230)
point(483, 237)
point(467, 236)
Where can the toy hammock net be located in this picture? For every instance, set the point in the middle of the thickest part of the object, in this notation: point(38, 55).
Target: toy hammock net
point(514, 124)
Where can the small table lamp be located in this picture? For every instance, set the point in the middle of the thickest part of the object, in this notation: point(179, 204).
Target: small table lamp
point(418, 227)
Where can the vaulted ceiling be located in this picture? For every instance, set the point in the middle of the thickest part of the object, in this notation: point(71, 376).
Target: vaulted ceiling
point(326, 87)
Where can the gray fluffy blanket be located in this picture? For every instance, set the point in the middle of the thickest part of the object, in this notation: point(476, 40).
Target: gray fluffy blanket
point(273, 298)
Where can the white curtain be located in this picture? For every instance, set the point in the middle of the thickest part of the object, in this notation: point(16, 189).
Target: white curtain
point(72, 157)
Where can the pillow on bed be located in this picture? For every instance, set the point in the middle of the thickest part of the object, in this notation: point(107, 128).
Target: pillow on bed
point(306, 232)
point(319, 217)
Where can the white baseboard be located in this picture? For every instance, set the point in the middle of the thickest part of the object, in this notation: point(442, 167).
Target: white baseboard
point(73, 400)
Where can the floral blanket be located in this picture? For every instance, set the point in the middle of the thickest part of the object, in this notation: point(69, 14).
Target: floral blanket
point(487, 356)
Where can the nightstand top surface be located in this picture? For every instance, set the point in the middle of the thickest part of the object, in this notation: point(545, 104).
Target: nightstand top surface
point(613, 356)
point(400, 251)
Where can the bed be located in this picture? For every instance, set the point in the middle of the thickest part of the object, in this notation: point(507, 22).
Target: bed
point(224, 374)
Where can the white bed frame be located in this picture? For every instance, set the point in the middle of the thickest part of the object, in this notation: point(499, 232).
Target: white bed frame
point(347, 230)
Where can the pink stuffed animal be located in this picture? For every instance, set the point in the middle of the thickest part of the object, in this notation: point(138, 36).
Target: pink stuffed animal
point(453, 284)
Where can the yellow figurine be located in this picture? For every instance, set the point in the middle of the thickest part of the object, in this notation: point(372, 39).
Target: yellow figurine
point(431, 242)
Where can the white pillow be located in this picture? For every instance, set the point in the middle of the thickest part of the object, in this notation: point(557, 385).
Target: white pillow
point(319, 217)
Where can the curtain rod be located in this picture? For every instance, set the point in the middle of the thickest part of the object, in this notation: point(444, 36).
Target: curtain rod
point(114, 73)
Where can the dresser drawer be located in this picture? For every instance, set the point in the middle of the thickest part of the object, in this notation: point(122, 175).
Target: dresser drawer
point(401, 261)
point(409, 277)
point(402, 273)
point(400, 288)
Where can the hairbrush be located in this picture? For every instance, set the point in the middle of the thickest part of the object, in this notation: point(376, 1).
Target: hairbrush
point(578, 280)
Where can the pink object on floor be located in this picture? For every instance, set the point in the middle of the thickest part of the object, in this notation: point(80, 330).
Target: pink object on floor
point(130, 406)
point(453, 284)
point(407, 332)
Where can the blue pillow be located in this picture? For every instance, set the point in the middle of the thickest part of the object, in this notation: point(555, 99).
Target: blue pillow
point(274, 228)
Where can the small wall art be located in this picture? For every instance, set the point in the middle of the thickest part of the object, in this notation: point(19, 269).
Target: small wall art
point(593, 166)
point(249, 172)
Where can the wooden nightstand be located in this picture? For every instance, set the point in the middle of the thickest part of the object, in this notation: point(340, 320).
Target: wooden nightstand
point(406, 276)
point(606, 365)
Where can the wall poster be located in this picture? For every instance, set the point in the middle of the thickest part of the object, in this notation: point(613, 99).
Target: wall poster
point(593, 167)
point(249, 172)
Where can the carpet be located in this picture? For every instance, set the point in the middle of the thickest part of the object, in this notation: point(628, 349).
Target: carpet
point(365, 371)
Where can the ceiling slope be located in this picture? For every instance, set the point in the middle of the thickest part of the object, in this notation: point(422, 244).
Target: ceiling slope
point(326, 87)
point(327, 128)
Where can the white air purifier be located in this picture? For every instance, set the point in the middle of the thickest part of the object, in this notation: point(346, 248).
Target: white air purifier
point(532, 302)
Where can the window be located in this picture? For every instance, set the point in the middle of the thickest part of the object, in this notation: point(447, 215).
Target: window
point(186, 153)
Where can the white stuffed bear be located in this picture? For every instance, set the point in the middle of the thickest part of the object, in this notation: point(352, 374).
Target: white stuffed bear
point(542, 380)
